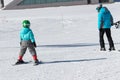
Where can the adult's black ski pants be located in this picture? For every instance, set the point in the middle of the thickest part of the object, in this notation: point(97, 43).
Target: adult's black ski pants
point(108, 34)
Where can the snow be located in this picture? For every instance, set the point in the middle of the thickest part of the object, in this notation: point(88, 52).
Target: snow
point(68, 44)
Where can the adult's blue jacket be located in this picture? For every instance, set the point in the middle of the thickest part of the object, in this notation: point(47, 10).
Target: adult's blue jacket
point(105, 18)
point(26, 34)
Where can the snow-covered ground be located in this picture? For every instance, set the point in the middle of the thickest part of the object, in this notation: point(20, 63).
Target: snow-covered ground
point(68, 44)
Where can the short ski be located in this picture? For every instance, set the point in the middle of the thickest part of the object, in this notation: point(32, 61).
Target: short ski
point(22, 63)
point(35, 64)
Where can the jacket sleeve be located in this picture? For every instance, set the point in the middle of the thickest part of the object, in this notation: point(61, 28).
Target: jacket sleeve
point(32, 36)
point(100, 21)
point(20, 36)
point(112, 21)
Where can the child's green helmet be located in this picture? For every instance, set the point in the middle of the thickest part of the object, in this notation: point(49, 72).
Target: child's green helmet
point(26, 23)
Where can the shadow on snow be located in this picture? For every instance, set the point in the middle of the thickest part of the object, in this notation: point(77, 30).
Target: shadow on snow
point(68, 61)
point(72, 45)
point(65, 45)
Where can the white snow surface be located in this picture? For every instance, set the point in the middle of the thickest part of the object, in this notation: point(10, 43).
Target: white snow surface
point(68, 44)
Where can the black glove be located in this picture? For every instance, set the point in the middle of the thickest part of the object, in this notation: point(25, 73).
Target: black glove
point(112, 24)
point(20, 43)
point(34, 44)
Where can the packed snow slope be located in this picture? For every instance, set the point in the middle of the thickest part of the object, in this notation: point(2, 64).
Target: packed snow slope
point(68, 44)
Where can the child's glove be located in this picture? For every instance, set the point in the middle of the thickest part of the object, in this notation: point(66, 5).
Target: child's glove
point(20, 43)
point(34, 44)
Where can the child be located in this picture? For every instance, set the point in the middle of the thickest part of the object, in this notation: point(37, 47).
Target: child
point(27, 41)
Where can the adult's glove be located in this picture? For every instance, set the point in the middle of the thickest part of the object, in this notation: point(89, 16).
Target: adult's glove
point(112, 24)
point(34, 44)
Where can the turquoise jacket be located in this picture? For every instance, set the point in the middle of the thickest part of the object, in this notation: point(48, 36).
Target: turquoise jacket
point(26, 34)
point(105, 18)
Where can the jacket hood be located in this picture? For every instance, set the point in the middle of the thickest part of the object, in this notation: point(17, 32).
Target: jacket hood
point(25, 30)
point(104, 10)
